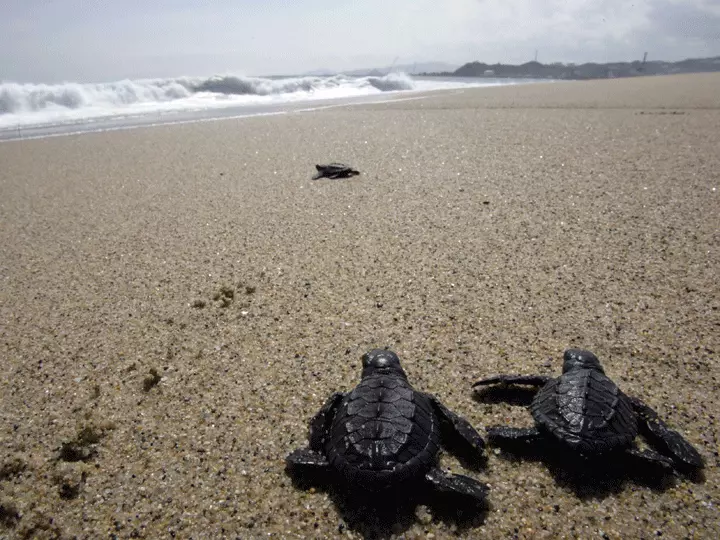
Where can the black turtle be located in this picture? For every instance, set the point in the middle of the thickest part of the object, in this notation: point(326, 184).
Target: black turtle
point(586, 412)
point(334, 170)
point(384, 434)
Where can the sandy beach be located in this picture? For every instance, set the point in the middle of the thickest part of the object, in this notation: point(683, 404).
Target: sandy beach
point(176, 302)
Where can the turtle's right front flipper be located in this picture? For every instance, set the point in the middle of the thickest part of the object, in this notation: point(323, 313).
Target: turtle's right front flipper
point(527, 380)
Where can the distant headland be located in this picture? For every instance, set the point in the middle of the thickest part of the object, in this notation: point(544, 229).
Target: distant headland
point(558, 70)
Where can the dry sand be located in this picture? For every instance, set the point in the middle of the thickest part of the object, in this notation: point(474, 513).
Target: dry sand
point(490, 230)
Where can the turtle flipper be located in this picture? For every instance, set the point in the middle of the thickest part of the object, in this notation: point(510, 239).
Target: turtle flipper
point(528, 380)
point(321, 169)
point(665, 439)
point(311, 463)
point(304, 458)
point(308, 468)
point(347, 173)
point(651, 457)
point(335, 170)
point(455, 427)
point(321, 421)
point(458, 484)
point(504, 434)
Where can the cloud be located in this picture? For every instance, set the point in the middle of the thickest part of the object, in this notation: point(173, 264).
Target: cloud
point(686, 20)
point(75, 40)
point(587, 30)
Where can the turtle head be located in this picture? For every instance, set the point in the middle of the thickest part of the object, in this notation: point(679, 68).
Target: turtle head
point(381, 361)
point(580, 359)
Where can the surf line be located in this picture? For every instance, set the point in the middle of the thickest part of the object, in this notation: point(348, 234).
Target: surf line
point(372, 102)
point(82, 131)
point(140, 126)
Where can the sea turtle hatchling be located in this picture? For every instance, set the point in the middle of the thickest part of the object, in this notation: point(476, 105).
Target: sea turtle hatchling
point(586, 412)
point(334, 170)
point(385, 434)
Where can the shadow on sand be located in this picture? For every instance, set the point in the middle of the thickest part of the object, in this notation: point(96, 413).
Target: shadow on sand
point(519, 396)
point(393, 511)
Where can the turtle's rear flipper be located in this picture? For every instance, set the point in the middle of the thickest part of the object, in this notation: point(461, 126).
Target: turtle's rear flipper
point(665, 439)
point(304, 458)
point(307, 468)
point(650, 467)
point(651, 457)
point(458, 485)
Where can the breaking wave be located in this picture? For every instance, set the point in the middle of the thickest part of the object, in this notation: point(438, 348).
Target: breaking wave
point(27, 104)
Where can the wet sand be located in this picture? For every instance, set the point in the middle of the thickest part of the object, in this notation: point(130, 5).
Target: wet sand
point(178, 301)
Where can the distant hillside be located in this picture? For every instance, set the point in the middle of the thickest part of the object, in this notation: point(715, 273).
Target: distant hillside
point(536, 70)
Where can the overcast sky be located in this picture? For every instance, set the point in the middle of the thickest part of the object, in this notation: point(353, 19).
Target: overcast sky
point(85, 40)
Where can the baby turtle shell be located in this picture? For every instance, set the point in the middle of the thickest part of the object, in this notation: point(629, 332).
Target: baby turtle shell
point(384, 434)
point(334, 170)
point(586, 412)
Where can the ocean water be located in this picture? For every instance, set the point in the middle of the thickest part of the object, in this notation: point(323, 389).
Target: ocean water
point(39, 110)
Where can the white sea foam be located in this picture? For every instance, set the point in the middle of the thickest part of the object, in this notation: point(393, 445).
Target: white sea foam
point(42, 104)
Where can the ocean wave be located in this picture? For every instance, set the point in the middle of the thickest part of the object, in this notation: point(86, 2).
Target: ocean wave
point(23, 98)
point(18, 99)
point(57, 104)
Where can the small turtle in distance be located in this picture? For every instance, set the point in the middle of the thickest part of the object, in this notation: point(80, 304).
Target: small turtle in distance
point(586, 413)
point(334, 170)
point(384, 434)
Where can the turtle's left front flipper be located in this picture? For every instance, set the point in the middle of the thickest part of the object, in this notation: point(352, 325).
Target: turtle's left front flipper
point(666, 439)
point(458, 485)
point(457, 429)
point(321, 171)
